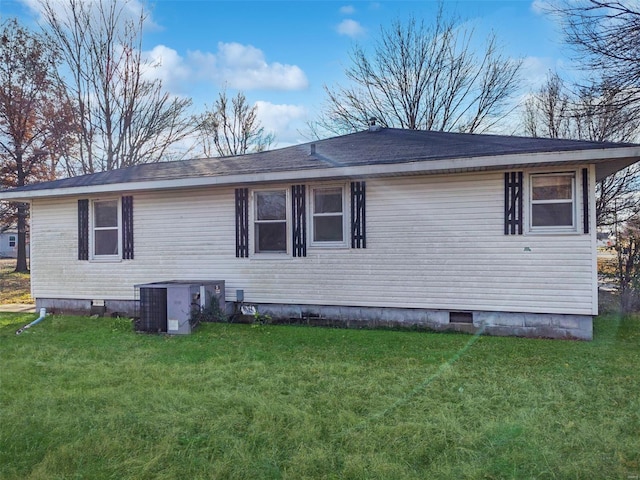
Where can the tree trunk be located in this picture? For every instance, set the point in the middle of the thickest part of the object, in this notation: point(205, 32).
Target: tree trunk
point(21, 261)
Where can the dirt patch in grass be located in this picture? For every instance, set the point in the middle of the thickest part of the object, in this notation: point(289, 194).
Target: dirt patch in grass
point(14, 287)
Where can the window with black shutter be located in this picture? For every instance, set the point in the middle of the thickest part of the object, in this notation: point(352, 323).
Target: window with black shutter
point(105, 229)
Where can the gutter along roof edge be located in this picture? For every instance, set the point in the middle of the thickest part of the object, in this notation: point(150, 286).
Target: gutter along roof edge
point(409, 167)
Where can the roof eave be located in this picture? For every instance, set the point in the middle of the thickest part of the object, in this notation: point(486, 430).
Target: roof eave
point(608, 161)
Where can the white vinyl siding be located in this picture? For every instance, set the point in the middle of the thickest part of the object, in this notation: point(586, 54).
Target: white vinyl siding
point(433, 242)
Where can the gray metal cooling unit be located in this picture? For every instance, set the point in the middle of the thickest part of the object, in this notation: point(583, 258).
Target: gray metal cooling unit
point(167, 307)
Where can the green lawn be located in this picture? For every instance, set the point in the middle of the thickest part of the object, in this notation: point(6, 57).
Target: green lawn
point(89, 399)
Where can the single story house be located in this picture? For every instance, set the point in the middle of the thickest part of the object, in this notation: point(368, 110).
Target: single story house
point(384, 226)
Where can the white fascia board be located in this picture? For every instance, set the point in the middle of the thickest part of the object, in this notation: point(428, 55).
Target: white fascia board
point(411, 167)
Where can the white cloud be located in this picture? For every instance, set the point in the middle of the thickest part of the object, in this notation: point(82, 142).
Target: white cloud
point(203, 62)
point(244, 67)
point(234, 65)
point(350, 28)
point(237, 66)
point(165, 64)
point(284, 121)
point(347, 10)
point(540, 7)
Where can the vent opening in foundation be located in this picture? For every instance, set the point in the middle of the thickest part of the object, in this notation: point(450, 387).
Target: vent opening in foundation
point(460, 317)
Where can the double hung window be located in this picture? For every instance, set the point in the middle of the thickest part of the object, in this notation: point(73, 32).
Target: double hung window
point(328, 215)
point(270, 221)
point(283, 220)
point(12, 241)
point(106, 228)
point(553, 202)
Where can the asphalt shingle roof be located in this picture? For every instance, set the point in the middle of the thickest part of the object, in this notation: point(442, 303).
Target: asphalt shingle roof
point(384, 146)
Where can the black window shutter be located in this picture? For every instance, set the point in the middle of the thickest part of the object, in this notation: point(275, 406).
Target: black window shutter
point(298, 209)
point(242, 222)
point(585, 199)
point(83, 229)
point(127, 227)
point(358, 217)
point(513, 203)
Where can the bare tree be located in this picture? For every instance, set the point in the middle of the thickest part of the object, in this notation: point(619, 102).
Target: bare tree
point(603, 115)
point(546, 112)
point(34, 120)
point(232, 128)
point(594, 114)
point(124, 117)
point(605, 36)
point(624, 268)
point(423, 77)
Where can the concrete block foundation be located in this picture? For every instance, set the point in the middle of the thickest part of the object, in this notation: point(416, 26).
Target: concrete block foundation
point(534, 325)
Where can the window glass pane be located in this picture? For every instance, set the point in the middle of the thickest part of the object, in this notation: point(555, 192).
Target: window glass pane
point(271, 205)
point(12, 241)
point(327, 229)
point(552, 187)
point(106, 214)
point(271, 237)
point(327, 200)
point(552, 215)
point(106, 242)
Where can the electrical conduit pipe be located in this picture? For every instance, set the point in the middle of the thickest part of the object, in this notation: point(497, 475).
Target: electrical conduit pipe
point(43, 314)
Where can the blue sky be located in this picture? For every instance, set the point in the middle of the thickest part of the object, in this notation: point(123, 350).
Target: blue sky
point(281, 53)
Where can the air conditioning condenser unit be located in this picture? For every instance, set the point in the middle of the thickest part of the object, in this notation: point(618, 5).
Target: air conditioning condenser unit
point(168, 307)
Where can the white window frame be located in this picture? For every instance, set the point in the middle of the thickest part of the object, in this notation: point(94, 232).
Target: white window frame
point(573, 228)
point(311, 224)
point(253, 218)
point(93, 228)
point(13, 241)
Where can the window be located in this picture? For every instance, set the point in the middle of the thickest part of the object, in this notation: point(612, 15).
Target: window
point(284, 220)
point(328, 218)
point(12, 241)
point(552, 202)
point(106, 228)
point(270, 221)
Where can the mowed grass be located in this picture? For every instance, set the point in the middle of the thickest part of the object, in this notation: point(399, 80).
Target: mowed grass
point(88, 398)
point(14, 287)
